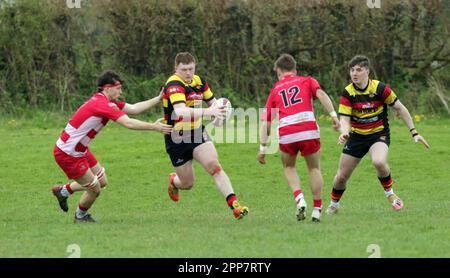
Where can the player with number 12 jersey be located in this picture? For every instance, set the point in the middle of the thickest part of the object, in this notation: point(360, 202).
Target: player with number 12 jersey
point(291, 99)
point(293, 96)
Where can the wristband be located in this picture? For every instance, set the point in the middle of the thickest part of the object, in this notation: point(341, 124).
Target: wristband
point(333, 114)
point(262, 149)
point(415, 134)
point(412, 129)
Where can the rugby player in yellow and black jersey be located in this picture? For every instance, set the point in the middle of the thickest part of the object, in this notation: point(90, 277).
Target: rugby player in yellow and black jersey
point(365, 129)
point(183, 97)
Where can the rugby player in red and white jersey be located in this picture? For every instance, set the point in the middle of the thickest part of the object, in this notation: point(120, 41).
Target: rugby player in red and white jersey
point(72, 148)
point(291, 100)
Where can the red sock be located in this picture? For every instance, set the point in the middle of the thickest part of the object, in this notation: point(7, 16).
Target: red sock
point(336, 194)
point(230, 199)
point(318, 203)
point(82, 208)
point(297, 192)
point(68, 188)
point(386, 182)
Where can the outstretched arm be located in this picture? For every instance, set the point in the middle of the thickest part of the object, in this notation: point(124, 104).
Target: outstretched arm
point(328, 105)
point(141, 125)
point(406, 117)
point(138, 108)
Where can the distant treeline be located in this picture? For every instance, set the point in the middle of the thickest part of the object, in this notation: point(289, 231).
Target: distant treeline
point(50, 55)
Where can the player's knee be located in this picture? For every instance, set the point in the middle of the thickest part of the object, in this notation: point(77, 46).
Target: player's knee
point(93, 186)
point(96, 189)
point(314, 170)
point(214, 168)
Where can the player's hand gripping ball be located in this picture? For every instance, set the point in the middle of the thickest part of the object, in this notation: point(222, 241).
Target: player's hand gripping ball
point(229, 110)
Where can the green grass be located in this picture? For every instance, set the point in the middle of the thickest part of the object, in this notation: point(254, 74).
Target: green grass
point(137, 219)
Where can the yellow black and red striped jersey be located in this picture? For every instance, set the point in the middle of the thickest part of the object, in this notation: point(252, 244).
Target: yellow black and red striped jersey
point(367, 108)
point(193, 94)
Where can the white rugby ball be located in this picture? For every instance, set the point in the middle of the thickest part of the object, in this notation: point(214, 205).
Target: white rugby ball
point(229, 108)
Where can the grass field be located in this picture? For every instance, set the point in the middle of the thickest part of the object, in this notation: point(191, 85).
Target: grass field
point(137, 219)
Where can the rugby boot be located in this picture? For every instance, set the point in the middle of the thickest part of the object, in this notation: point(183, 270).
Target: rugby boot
point(315, 216)
point(87, 218)
point(333, 208)
point(396, 202)
point(301, 210)
point(239, 211)
point(172, 190)
point(61, 199)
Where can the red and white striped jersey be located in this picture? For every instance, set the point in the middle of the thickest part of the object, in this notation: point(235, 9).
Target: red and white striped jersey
point(292, 98)
point(87, 122)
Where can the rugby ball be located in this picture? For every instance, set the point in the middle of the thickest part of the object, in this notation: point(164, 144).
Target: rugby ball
point(229, 108)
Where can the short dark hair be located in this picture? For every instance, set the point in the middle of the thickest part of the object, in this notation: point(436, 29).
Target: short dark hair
point(108, 77)
point(285, 63)
point(359, 60)
point(184, 58)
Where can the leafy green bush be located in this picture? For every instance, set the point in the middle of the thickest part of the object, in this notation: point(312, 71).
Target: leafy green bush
point(50, 55)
